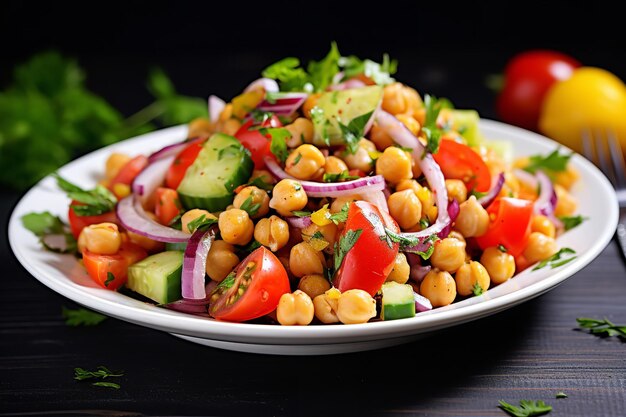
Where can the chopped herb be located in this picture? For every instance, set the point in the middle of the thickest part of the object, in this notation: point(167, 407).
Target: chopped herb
point(81, 317)
point(200, 222)
point(561, 394)
point(343, 175)
point(297, 186)
point(107, 385)
point(379, 73)
point(300, 213)
point(250, 207)
point(416, 245)
point(260, 116)
point(50, 229)
point(478, 194)
point(288, 71)
point(431, 130)
point(93, 202)
point(346, 242)
point(102, 372)
point(228, 282)
point(319, 119)
point(569, 222)
point(258, 182)
point(424, 222)
point(321, 73)
point(297, 159)
point(353, 132)
point(252, 246)
point(477, 289)
point(554, 162)
point(328, 274)
point(110, 278)
point(279, 137)
point(341, 216)
point(603, 328)
point(527, 408)
point(555, 260)
point(502, 249)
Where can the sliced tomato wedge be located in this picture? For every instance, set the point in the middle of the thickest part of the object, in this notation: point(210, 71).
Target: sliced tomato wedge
point(459, 161)
point(111, 271)
point(78, 223)
point(257, 143)
point(252, 290)
point(182, 162)
point(509, 225)
point(370, 259)
point(167, 205)
point(130, 170)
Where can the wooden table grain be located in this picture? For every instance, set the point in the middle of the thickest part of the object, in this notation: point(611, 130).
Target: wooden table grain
point(532, 351)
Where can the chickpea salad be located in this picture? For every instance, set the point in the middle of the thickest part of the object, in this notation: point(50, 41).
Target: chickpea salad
point(330, 193)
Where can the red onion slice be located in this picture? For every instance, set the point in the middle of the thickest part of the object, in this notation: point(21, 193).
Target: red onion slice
point(284, 104)
point(418, 271)
point(216, 106)
point(267, 84)
point(421, 303)
point(487, 199)
point(330, 189)
point(299, 222)
point(197, 307)
point(378, 199)
point(194, 264)
point(527, 178)
point(453, 212)
point(431, 170)
point(173, 149)
point(151, 177)
point(133, 217)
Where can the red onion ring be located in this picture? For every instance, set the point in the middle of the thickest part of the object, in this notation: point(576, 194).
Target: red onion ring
point(487, 199)
point(151, 177)
point(194, 264)
point(173, 149)
point(547, 200)
point(431, 170)
point(216, 106)
point(133, 217)
point(269, 85)
point(453, 212)
point(421, 303)
point(330, 189)
point(284, 104)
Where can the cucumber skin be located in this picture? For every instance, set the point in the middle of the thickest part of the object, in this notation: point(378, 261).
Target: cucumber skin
point(172, 281)
point(398, 311)
point(211, 204)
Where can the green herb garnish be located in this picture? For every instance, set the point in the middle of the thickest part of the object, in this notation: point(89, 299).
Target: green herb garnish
point(110, 278)
point(200, 222)
point(477, 289)
point(408, 243)
point(44, 225)
point(102, 372)
point(301, 213)
point(553, 162)
point(93, 202)
point(297, 159)
point(431, 130)
point(603, 328)
point(250, 206)
point(342, 176)
point(379, 73)
point(569, 222)
point(527, 408)
point(353, 132)
point(81, 317)
point(555, 260)
point(279, 137)
point(341, 216)
point(107, 385)
point(502, 249)
point(259, 183)
point(346, 242)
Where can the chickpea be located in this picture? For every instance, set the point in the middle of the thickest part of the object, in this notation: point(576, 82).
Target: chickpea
point(288, 195)
point(199, 127)
point(456, 190)
point(304, 260)
point(304, 162)
point(449, 254)
point(539, 247)
point(356, 306)
point(257, 196)
point(565, 204)
point(295, 309)
point(543, 224)
point(313, 285)
point(401, 269)
point(439, 287)
point(395, 165)
point(329, 234)
point(398, 99)
point(456, 235)
point(235, 226)
point(380, 137)
point(272, 232)
point(101, 239)
point(301, 131)
point(264, 175)
point(191, 215)
point(409, 121)
point(473, 219)
point(427, 198)
point(221, 260)
point(339, 202)
point(335, 165)
point(408, 185)
point(114, 163)
point(499, 265)
point(405, 208)
point(226, 113)
point(469, 277)
point(361, 159)
point(326, 306)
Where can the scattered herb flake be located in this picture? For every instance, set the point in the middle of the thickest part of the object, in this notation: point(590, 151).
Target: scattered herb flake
point(353, 132)
point(81, 317)
point(553, 162)
point(200, 222)
point(300, 213)
point(555, 260)
point(102, 372)
point(502, 249)
point(527, 408)
point(346, 242)
point(107, 385)
point(278, 145)
point(341, 216)
point(477, 289)
point(92, 202)
point(342, 176)
point(250, 207)
point(297, 159)
point(602, 328)
point(569, 222)
point(110, 278)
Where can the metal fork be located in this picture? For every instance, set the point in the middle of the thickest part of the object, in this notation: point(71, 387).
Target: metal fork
point(606, 153)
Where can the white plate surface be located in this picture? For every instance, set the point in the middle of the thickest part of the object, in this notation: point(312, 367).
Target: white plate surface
point(63, 274)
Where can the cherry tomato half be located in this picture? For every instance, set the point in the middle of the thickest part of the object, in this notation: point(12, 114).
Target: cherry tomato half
point(509, 225)
point(111, 271)
point(368, 262)
point(183, 160)
point(78, 223)
point(263, 279)
point(255, 141)
point(527, 78)
point(461, 162)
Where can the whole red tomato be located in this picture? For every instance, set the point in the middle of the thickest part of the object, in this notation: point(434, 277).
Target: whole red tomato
point(527, 78)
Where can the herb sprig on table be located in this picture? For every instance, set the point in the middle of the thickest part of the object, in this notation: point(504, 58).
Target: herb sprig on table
point(48, 117)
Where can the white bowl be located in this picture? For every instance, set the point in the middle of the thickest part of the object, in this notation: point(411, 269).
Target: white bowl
point(63, 274)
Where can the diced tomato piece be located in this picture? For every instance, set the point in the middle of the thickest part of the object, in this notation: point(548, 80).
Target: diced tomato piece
point(167, 205)
point(111, 271)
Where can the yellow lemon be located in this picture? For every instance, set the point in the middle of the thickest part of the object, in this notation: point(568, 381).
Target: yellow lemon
point(592, 99)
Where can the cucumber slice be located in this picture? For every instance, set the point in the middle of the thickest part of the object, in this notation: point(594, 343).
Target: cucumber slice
point(466, 123)
point(157, 277)
point(221, 166)
point(342, 106)
point(398, 301)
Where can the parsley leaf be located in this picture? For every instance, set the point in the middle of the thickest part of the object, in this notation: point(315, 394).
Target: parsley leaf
point(419, 246)
point(107, 385)
point(346, 242)
point(527, 408)
point(341, 216)
point(260, 183)
point(200, 222)
point(321, 73)
point(569, 222)
point(102, 372)
point(431, 130)
point(477, 289)
point(41, 224)
point(379, 73)
point(250, 207)
point(301, 213)
point(288, 71)
point(279, 137)
point(93, 202)
point(110, 278)
point(553, 162)
point(555, 260)
point(343, 175)
point(353, 132)
point(603, 328)
point(82, 317)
